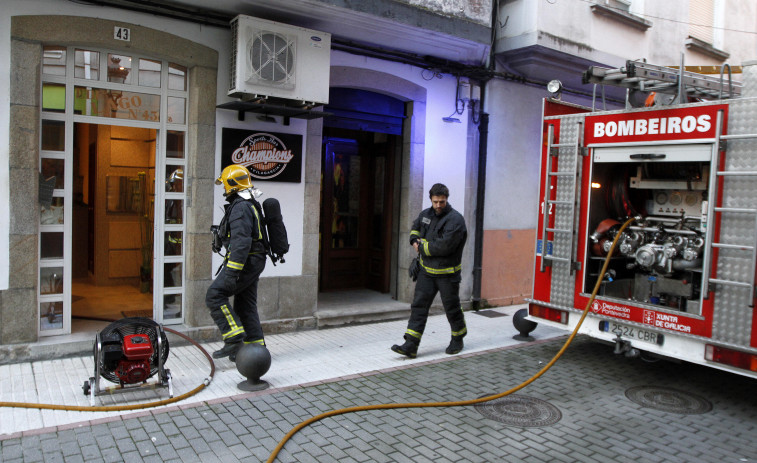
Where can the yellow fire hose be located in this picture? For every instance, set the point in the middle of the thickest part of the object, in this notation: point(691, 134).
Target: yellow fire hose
point(461, 403)
point(118, 408)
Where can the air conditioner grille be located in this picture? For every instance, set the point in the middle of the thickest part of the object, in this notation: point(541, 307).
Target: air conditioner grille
point(272, 59)
point(233, 63)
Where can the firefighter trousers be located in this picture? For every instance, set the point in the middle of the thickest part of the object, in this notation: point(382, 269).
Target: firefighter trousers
point(241, 322)
point(426, 288)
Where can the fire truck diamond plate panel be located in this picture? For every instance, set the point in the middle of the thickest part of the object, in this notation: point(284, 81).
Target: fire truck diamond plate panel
point(731, 323)
point(563, 278)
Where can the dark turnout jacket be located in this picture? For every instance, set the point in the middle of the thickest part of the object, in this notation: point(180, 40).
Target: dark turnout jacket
point(245, 235)
point(442, 239)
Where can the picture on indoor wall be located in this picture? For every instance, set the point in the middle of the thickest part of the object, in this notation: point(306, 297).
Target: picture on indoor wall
point(267, 155)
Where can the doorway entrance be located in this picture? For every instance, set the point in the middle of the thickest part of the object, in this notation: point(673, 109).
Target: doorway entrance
point(362, 145)
point(113, 218)
point(112, 193)
point(357, 209)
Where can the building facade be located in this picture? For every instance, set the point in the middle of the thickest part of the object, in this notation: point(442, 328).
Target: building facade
point(119, 119)
point(540, 41)
point(117, 123)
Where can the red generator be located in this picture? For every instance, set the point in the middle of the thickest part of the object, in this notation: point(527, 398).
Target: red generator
point(128, 352)
point(681, 281)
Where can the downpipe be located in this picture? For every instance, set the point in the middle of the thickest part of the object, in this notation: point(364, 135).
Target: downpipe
point(478, 246)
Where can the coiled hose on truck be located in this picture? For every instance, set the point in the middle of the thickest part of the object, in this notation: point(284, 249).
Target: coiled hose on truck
point(461, 403)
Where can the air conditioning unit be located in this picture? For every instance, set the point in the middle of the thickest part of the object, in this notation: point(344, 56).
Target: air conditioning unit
point(275, 60)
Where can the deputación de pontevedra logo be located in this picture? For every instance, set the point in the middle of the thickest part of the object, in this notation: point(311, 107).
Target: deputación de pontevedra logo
point(264, 155)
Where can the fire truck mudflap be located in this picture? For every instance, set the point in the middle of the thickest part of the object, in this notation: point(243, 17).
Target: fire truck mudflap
point(680, 282)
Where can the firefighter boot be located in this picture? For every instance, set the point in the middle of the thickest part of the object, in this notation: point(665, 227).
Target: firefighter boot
point(409, 349)
point(229, 349)
point(455, 345)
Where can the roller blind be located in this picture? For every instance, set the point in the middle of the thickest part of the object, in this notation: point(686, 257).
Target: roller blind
point(701, 17)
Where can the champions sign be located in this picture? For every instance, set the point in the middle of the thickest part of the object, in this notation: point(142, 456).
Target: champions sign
point(267, 155)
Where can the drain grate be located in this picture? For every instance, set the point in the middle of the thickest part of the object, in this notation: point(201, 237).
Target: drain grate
point(668, 400)
point(490, 313)
point(519, 410)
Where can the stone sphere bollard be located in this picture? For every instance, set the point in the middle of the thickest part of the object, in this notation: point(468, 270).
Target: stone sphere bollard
point(253, 361)
point(523, 326)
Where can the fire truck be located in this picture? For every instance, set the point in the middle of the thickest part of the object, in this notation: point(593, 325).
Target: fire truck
point(680, 281)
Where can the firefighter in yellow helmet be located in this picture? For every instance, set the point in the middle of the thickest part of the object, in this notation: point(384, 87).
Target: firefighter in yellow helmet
point(241, 231)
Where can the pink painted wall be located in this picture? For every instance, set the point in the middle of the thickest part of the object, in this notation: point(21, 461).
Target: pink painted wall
point(507, 266)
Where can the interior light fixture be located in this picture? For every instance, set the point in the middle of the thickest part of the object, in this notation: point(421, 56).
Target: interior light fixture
point(554, 88)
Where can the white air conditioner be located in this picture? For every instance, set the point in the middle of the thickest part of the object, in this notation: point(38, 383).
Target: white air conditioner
point(277, 60)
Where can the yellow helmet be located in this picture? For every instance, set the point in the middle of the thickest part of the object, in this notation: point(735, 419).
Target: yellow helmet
point(234, 178)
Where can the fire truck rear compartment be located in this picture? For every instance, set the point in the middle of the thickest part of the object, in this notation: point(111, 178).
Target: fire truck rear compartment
point(658, 260)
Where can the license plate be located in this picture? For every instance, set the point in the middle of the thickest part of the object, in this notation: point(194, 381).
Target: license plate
point(633, 333)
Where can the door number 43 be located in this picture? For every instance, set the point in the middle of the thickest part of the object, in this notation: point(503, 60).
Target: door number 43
point(122, 33)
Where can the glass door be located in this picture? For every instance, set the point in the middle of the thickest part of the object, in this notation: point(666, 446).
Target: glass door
point(112, 188)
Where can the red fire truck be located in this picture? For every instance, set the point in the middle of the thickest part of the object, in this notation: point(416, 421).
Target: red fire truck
point(680, 282)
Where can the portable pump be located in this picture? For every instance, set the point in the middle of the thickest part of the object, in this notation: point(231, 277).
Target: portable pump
point(128, 352)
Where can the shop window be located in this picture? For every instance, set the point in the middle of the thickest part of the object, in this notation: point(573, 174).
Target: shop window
point(175, 144)
point(53, 135)
point(172, 274)
point(149, 73)
point(176, 109)
point(117, 104)
point(53, 97)
point(51, 280)
point(174, 179)
point(50, 315)
point(171, 306)
point(173, 243)
point(119, 69)
point(177, 77)
point(52, 214)
point(87, 65)
point(53, 168)
point(174, 211)
point(54, 61)
point(51, 245)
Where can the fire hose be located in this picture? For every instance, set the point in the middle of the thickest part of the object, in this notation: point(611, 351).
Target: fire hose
point(462, 403)
point(118, 408)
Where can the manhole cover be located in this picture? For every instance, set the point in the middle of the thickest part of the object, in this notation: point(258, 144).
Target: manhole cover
point(519, 410)
point(668, 400)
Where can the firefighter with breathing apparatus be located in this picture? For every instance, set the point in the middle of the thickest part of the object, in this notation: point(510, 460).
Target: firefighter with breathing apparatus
point(241, 233)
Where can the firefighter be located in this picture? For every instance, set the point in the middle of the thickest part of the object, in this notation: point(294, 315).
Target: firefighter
point(241, 230)
point(438, 235)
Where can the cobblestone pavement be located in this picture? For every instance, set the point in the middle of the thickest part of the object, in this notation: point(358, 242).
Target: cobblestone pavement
point(588, 390)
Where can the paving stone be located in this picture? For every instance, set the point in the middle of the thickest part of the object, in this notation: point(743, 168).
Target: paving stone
point(587, 385)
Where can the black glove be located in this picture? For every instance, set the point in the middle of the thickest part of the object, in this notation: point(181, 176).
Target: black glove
point(415, 269)
point(230, 279)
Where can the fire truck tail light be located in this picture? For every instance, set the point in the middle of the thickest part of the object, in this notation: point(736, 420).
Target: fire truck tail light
point(734, 358)
point(548, 313)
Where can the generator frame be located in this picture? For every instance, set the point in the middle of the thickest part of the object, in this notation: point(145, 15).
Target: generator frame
point(92, 387)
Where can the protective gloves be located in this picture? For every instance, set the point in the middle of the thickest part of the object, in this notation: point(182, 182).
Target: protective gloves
point(230, 279)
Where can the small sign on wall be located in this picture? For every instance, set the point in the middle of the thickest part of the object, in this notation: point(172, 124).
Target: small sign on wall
point(267, 155)
point(122, 33)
